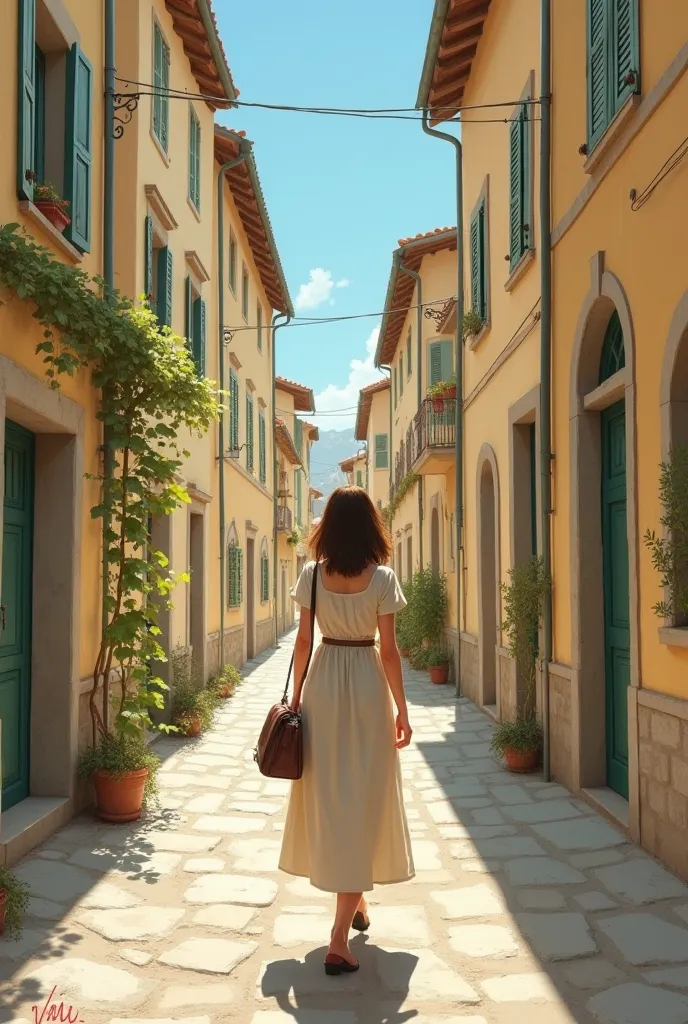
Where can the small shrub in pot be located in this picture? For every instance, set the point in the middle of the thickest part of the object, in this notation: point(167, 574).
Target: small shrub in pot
point(14, 899)
point(439, 658)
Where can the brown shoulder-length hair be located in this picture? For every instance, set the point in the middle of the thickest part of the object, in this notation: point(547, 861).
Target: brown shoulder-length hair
point(351, 533)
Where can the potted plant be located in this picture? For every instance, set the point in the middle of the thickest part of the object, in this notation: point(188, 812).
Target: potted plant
point(193, 705)
point(438, 392)
point(14, 899)
point(123, 770)
point(418, 658)
point(438, 664)
point(473, 323)
point(670, 552)
point(52, 206)
point(519, 741)
point(294, 538)
point(226, 683)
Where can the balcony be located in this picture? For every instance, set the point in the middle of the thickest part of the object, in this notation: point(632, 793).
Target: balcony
point(429, 445)
point(285, 521)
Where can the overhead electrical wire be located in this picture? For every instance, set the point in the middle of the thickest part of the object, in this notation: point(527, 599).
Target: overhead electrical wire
point(309, 321)
point(373, 113)
point(639, 200)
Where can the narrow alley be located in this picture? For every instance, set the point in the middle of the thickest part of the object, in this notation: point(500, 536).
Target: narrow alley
point(526, 904)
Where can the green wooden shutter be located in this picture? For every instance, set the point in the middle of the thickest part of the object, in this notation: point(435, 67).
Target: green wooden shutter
point(232, 262)
point(233, 410)
point(394, 381)
point(165, 286)
point(264, 579)
point(381, 452)
point(298, 435)
point(359, 478)
point(188, 313)
point(77, 188)
point(249, 431)
point(26, 90)
point(148, 259)
point(515, 191)
point(262, 448)
point(447, 359)
point(625, 65)
point(235, 588)
point(598, 69)
point(435, 363)
point(194, 159)
point(259, 326)
point(298, 496)
point(401, 374)
point(198, 342)
point(39, 125)
point(475, 266)
point(161, 84)
point(408, 353)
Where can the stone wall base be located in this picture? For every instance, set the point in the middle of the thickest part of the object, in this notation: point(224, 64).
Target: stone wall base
point(265, 634)
point(233, 653)
point(560, 728)
point(663, 771)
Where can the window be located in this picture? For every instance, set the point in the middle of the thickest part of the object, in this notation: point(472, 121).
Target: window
point(408, 352)
point(479, 262)
point(264, 579)
point(249, 431)
point(297, 488)
point(54, 126)
point(233, 411)
point(519, 187)
point(401, 374)
point(613, 61)
point(232, 262)
point(194, 159)
point(381, 451)
point(244, 293)
point(359, 478)
point(161, 85)
point(440, 362)
point(262, 448)
point(235, 573)
point(613, 357)
point(298, 435)
point(164, 286)
point(259, 326)
point(394, 385)
point(195, 325)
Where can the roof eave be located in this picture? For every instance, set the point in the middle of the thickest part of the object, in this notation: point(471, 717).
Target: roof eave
point(216, 49)
point(431, 51)
point(360, 433)
point(267, 226)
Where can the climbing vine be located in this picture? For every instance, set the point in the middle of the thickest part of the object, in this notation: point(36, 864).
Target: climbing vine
point(150, 394)
point(398, 495)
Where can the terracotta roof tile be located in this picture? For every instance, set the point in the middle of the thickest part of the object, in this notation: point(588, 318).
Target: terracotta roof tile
point(285, 443)
point(455, 33)
point(303, 396)
point(196, 25)
point(424, 234)
point(365, 401)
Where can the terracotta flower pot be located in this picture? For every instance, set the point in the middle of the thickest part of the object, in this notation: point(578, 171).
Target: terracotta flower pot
point(450, 392)
point(439, 674)
point(225, 691)
point(192, 726)
point(52, 212)
point(120, 797)
point(438, 405)
point(520, 761)
point(3, 903)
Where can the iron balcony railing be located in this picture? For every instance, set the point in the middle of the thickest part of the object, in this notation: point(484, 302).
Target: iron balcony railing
point(285, 521)
point(431, 427)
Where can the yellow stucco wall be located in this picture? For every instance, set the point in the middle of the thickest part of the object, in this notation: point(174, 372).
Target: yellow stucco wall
point(640, 251)
point(19, 333)
point(378, 423)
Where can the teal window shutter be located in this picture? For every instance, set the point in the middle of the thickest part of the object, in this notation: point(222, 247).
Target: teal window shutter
point(625, 52)
point(401, 374)
point(394, 383)
point(148, 259)
point(381, 451)
point(249, 431)
point(235, 588)
point(408, 353)
point(598, 69)
point(161, 85)
point(478, 257)
point(194, 159)
point(188, 313)
point(165, 286)
point(259, 326)
point(244, 293)
point(77, 188)
point(198, 342)
point(447, 360)
point(298, 496)
point(39, 127)
point(233, 410)
point(298, 435)
point(435, 363)
point(26, 113)
point(359, 478)
point(232, 262)
point(262, 448)
point(515, 193)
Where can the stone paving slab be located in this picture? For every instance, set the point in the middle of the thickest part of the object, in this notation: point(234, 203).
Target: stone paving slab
point(526, 905)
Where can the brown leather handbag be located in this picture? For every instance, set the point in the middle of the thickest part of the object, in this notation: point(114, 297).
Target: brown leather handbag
point(279, 753)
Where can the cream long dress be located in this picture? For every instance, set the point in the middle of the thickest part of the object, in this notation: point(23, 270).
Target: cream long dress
point(346, 827)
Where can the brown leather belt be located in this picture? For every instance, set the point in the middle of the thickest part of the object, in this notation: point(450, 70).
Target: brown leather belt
point(347, 643)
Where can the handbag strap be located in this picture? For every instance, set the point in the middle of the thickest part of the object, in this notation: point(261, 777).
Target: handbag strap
point(314, 589)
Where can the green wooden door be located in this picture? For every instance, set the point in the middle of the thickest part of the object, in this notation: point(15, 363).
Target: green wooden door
point(15, 615)
point(616, 601)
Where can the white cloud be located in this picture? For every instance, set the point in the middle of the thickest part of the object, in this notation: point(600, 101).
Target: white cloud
point(318, 289)
point(361, 373)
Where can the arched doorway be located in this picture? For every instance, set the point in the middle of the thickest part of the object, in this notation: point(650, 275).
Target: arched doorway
point(617, 644)
point(604, 540)
point(488, 577)
point(435, 540)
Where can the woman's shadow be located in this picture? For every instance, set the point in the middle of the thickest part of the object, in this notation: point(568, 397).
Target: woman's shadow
point(373, 995)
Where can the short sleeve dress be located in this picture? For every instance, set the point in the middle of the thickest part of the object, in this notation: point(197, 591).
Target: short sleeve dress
point(346, 827)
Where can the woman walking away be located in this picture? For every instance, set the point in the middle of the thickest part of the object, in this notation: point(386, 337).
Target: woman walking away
point(346, 827)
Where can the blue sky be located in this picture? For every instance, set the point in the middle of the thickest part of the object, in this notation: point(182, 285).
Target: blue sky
point(340, 191)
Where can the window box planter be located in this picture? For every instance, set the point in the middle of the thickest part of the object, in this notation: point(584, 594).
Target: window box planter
point(52, 212)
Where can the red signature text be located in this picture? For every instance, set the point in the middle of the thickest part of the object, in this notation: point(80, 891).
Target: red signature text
point(51, 1010)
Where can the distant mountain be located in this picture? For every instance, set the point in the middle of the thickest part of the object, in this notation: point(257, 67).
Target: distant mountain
point(333, 447)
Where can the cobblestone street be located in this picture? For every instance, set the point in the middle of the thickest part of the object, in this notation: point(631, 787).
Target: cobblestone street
point(526, 905)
